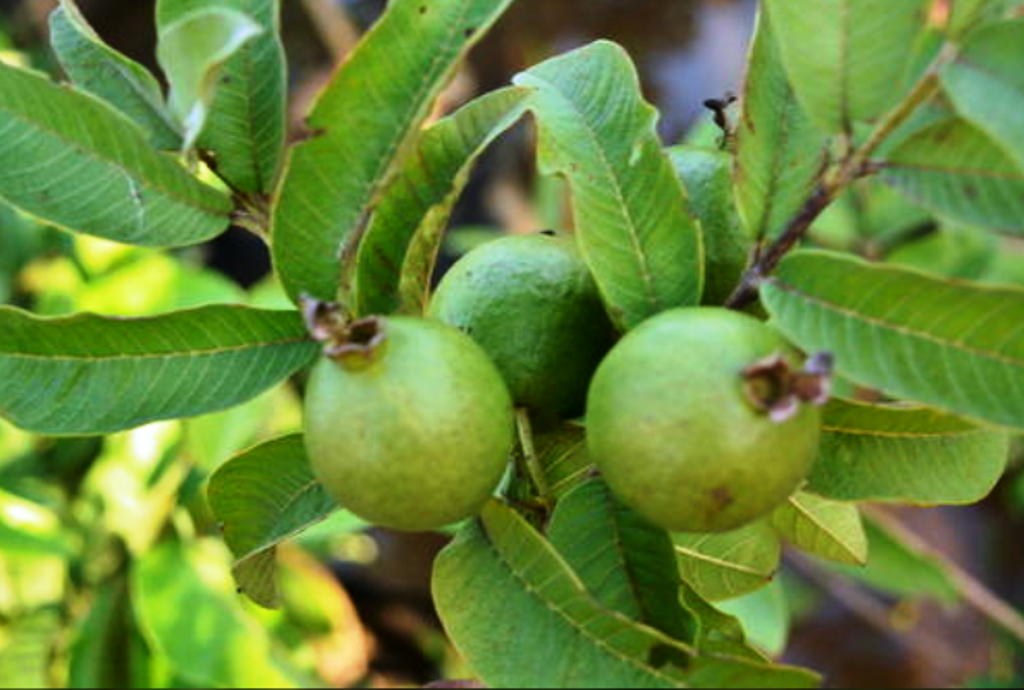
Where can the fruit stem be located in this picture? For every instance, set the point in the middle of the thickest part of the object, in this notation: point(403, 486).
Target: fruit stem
point(531, 462)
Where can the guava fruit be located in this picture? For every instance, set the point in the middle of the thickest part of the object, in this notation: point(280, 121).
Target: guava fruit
point(408, 423)
point(532, 305)
point(698, 420)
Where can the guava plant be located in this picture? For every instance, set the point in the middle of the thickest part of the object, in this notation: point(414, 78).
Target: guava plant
point(733, 347)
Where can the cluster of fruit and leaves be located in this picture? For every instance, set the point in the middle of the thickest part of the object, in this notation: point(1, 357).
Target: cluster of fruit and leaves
point(629, 418)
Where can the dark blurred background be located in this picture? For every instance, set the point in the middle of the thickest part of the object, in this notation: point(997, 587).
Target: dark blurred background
point(687, 51)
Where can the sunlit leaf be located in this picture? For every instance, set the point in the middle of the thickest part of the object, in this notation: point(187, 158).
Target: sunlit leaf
point(261, 498)
point(955, 170)
point(726, 565)
point(88, 374)
point(71, 159)
point(246, 123)
point(986, 84)
point(193, 48)
point(848, 60)
point(779, 151)
point(906, 455)
point(415, 209)
point(500, 578)
point(597, 131)
point(358, 136)
point(955, 346)
point(99, 69)
point(626, 563)
point(824, 528)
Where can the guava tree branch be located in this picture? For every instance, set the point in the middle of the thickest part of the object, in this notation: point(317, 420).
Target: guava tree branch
point(856, 165)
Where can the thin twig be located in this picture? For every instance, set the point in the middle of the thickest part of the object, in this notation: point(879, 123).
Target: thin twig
point(532, 463)
point(975, 594)
point(856, 165)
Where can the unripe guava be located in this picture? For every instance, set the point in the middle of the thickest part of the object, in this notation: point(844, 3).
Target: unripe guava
point(411, 426)
point(675, 425)
point(532, 305)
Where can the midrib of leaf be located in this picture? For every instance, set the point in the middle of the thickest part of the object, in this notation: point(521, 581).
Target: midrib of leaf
point(726, 565)
point(173, 354)
point(581, 591)
point(881, 323)
point(902, 434)
point(627, 212)
point(812, 518)
point(151, 183)
point(846, 121)
point(274, 537)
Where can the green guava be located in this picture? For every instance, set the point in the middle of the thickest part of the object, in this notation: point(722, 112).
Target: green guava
point(409, 425)
point(532, 305)
point(679, 421)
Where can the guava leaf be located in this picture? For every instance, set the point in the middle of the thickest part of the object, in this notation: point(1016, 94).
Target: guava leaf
point(246, 120)
point(707, 176)
point(779, 151)
point(986, 84)
point(730, 564)
point(500, 578)
point(96, 649)
point(189, 614)
point(89, 374)
point(562, 453)
point(905, 455)
point(848, 60)
point(193, 47)
point(765, 615)
point(72, 160)
point(955, 346)
point(630, 209)
point(95, 67)
point(828, 529)
point(27, 649)
point(359, 137)
point(261, 498)
point(955, 170)
point(397, 255)
point(626, 563)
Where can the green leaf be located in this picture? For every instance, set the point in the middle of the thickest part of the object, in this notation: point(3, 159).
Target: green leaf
point(359, 136)
point(415, 209)
point(827, 529)
point(779, 151)
point(27, 650)
point(897, 569)
point(562, 453)
point(99, 639)
point(717, 632)
point(596, 130)
point(188, 614)
point(707, 176)
point(97, 68)
point(88, 374)
point(848, 60)
point(765, 616)
point(726, 565)
point(906, 455)
point(193, 48)
point(28, 528)
point(74, 161)
point(499, 578)
point(953, 169)
point(954, 346)
point(986, 84)
point(247, 120)
point(263, 497)
point(626, 563)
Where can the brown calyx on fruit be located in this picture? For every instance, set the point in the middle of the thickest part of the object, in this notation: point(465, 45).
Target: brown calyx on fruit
point(353, 344)
point(775, 388)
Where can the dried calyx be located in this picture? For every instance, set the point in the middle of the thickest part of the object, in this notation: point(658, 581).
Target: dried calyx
point(777, 389)
point(353, 344)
